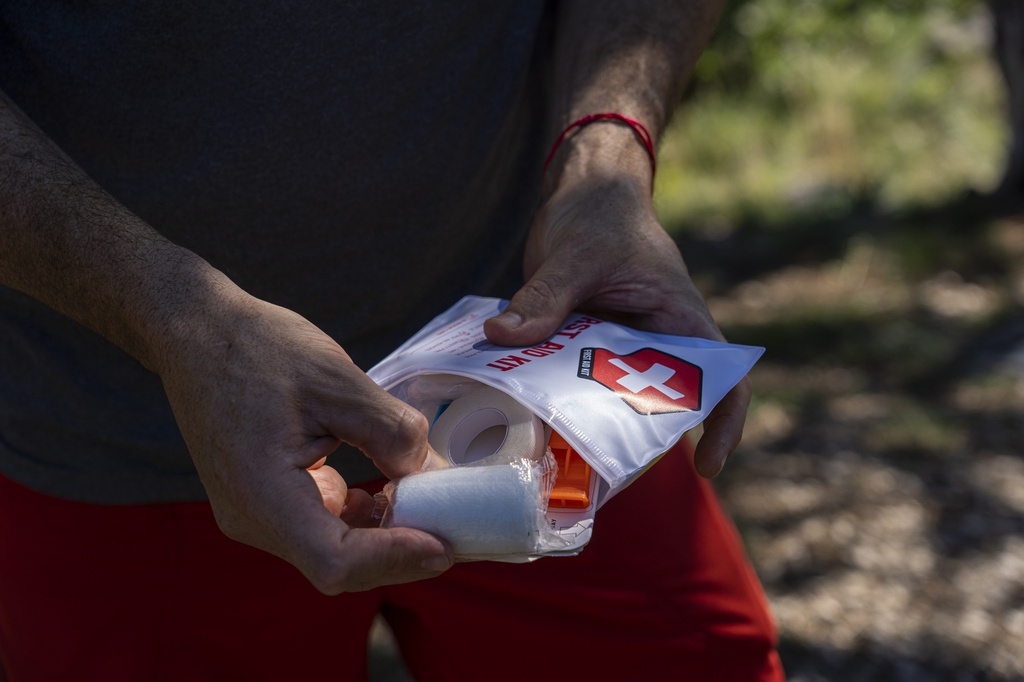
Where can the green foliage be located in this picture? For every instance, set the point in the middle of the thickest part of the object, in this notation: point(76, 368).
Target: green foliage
point(753, 34)
point(813, 105)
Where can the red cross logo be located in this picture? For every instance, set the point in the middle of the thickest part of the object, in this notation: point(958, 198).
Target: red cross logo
point(648, 380)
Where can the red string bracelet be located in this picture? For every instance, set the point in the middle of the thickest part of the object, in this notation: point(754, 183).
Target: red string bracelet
point(637, 126)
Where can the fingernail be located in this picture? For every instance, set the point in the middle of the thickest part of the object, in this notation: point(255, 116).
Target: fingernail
point(510, 319)
point(436, 563)
point(433, 461)
point(719, 465)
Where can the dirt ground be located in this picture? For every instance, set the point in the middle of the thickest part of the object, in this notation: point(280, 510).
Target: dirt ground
point(880, 484)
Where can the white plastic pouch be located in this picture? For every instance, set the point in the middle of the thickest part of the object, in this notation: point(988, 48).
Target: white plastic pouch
point(609, 399)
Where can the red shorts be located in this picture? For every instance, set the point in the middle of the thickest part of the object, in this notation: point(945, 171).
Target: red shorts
point(156, 592)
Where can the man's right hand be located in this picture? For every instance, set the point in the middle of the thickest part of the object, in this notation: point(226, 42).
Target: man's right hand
point(262, 396)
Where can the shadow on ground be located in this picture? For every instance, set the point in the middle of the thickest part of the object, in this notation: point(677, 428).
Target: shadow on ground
point(880, 485)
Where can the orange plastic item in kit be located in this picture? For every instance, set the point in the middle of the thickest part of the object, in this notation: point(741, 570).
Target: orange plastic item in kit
point(572, 487)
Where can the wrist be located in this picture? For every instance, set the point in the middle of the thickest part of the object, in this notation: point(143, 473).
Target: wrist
point(601, 149)
point(191, 305)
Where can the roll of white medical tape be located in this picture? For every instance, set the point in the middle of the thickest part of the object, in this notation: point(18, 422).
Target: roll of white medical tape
point(485, 426)
point(481, 510)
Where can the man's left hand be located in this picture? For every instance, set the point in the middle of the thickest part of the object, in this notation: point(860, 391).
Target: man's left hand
point(596, 245)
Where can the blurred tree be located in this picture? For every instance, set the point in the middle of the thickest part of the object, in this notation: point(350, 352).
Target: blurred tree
point(808, 103)
point(1008, 18)
point(750, 36)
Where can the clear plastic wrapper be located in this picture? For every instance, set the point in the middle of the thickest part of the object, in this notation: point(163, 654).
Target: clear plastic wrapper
point(492, 512)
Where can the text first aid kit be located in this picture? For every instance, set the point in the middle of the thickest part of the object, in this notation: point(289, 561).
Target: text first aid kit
point(538, 438)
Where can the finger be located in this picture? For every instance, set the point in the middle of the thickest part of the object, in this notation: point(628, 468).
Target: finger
point(723, 429)
point(359, 508)
point(372, 557)
point(335, 557)
point(395, 555)
point(331, 485)
point(387, 430)
point(433, 460)
point(538, 309)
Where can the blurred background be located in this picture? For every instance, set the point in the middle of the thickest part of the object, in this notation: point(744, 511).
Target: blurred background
point(837, 182)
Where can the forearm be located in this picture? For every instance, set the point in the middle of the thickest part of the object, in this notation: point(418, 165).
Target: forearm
point(69, 244)
point(633, 58)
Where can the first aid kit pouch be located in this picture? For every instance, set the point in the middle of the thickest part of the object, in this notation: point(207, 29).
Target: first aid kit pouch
point(539, 438)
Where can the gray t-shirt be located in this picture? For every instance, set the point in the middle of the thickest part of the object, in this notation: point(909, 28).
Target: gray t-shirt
point(362, 163)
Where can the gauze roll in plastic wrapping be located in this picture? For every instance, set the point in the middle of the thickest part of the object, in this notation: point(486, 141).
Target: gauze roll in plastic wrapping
point(491, 502)
point(484, 512)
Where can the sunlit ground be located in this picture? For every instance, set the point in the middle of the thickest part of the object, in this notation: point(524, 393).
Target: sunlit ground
point(880, 486)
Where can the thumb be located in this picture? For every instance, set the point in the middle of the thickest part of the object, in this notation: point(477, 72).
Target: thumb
point(538, 308)
point(390, 432)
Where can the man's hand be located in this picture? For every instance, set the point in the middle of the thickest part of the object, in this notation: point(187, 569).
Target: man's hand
point(596, 245)
point(262, 397)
